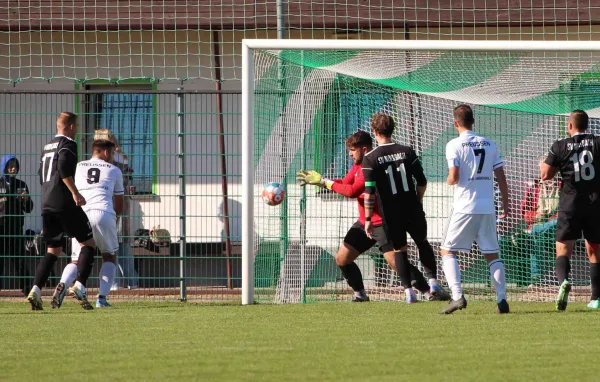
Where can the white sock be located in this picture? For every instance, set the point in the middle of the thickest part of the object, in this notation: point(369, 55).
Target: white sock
point(107, 276)
point(80, 286)
point(69, 274)
point(433, 282)
point(498, 278)
point(409, 292)
point(452, 272)
point(36, 289)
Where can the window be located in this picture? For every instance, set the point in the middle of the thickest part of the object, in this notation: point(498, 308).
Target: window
point(130, 116)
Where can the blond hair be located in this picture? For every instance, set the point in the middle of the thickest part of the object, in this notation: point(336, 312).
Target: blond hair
point(107, 135)
point(65, 119)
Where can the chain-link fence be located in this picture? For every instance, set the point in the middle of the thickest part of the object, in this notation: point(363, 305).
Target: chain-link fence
point(180, 152)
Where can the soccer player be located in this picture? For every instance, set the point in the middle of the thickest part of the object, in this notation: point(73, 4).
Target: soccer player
point(100, 182)
point(389, 170)
point(473, 161)
point(61, 210)
point(578, 160)
point(356, 241)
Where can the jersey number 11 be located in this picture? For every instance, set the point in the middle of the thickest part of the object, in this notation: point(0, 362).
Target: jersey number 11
point(402, 170)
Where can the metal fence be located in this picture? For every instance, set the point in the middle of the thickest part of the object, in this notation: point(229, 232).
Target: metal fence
point(183, 150)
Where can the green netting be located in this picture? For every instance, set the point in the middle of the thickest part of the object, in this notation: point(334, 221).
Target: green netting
point(317, 106)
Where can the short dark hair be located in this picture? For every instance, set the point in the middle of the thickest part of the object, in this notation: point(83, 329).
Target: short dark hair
point(66, 118)
point(101, 145)
point(580, 120)
point(383, 124)
point(359, 139)
point(463, 114)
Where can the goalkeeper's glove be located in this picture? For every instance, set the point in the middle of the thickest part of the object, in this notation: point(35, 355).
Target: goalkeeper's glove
point(314, 178)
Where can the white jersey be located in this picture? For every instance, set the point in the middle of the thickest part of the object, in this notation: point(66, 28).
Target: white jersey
point(476, 157)
point(98, 181)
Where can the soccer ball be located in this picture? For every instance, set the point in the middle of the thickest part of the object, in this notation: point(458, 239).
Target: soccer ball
point(273, 194)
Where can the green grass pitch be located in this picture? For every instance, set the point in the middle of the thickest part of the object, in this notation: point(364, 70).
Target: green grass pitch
point(317, 342)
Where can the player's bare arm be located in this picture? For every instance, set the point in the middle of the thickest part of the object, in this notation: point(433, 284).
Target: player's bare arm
point(119, 201)
point(547, 172)
point(453, 176)
point(503, 186)
point(77, 197)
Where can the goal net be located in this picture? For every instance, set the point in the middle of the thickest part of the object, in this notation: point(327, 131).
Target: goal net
point(306, 102)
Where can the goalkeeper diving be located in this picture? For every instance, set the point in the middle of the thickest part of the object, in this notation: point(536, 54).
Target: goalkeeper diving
point(357, 241)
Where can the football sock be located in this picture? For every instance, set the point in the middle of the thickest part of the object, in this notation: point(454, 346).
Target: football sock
point(418, 281)
point(42, 272)
point(498, 278)
point(107, 276)
point(85, 263)
point(562, 268)
point(433, 282)
point(353, 276)
point(69, 274)
point(427, 258)
point(595, 279)
point(403, 267)
point(452, 272)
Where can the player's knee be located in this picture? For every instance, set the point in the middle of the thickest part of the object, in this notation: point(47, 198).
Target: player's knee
point(345, 255)
point(109, 258)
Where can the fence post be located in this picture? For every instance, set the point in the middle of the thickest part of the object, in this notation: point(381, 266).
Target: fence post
point(182, 196)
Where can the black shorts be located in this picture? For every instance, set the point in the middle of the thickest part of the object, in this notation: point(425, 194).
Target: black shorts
point(397, 225)
point(357, 238)
point(586, 219)
point(71, 223)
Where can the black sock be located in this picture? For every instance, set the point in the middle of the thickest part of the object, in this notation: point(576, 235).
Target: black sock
point(403, 267)
point(562, 268)
point(427, 258)
point(85, 263)
point(418, 281)
point(42, 272)
point(595, 279)
point(353, 276)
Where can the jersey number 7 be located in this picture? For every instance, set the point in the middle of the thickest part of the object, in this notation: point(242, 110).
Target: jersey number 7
point(402, 170)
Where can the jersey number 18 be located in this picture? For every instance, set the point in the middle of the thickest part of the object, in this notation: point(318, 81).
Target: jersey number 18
point(582, 164)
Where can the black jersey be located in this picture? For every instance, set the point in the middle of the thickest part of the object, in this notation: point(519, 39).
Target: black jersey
point(578, 160)
point(391, 168)
point(58, 161)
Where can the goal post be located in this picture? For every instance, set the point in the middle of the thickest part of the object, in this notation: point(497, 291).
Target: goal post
point(521, 92)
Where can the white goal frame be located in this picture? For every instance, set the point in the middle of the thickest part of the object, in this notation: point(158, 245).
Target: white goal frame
point(248, 47)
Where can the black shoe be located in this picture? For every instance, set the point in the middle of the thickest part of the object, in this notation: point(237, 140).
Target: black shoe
point(439, 294)
point(361, 299)
point(503, 307)
point(455, 305)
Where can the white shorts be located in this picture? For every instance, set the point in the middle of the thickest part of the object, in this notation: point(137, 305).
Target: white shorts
point(464, 229)
point(104, 227)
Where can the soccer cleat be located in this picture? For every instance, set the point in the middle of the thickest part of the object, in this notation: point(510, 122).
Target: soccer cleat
point(455, 305)
point(411, 299)
point(361, 299)
point(438, 293)
point(81, 296)
point(503, 307)
point(59, 295)
point(35, 300)
point(102, 303)
point(563, 296)
point(594, 304)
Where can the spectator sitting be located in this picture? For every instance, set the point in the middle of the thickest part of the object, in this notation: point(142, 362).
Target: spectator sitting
point(14, 204)
point(539, 209)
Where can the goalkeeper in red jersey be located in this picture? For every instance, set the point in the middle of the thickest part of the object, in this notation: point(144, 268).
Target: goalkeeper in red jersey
point(356, 241)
